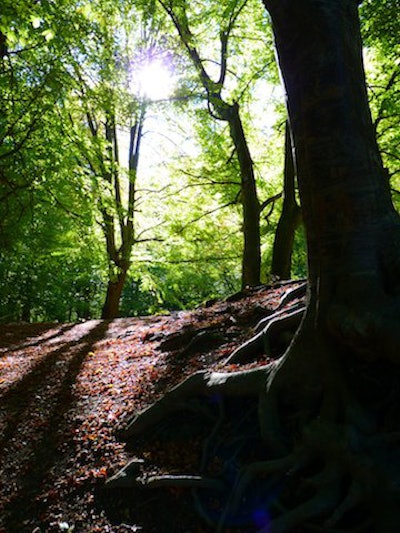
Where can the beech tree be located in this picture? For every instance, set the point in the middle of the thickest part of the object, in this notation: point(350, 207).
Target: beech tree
point(108, 116)
point(223, 109)
point(315, 431)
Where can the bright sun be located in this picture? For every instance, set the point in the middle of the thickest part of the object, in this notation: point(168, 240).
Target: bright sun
point(155, 81)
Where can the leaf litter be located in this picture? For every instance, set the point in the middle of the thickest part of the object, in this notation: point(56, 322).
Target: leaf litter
point(67, 389)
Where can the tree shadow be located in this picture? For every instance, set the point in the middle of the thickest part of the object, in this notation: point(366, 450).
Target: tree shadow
point(12, 336)
point(35, 410)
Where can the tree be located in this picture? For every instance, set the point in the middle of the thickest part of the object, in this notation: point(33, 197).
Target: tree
point(117, 212)
point(321, 449)
point(120, 256)
point(106, 113)
point(222, 109)
point(289, 219)
point(45, 211)
point(27, 78)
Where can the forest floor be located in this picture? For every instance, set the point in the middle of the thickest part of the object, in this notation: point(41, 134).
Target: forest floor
point(66, 390)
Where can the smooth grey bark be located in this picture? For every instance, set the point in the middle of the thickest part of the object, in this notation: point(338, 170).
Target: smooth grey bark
point(351, 225)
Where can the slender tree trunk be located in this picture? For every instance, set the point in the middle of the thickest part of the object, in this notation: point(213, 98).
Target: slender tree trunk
point(251, 260)
point(113, 296)
point(119, 256)
point(289, 220)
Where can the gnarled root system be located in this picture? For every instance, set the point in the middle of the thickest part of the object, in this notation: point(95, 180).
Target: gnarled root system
point(304, 443)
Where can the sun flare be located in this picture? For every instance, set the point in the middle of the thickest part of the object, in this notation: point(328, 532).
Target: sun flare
point(155, 81)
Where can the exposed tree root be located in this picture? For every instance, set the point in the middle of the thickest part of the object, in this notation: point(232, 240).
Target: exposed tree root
point(298, 292)
point(274, 332)
point(304, 443)
point(244, 383)
point(330, 479)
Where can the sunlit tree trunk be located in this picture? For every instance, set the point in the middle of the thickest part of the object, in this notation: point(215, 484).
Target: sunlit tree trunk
point(114, 292)
point(123, 218)
point(251, 259)
point(220, 109)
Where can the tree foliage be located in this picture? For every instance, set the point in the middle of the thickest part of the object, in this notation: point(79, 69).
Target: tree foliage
point(68, 76)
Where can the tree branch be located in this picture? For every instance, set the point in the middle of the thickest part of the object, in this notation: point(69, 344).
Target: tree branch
point(224, 38)
point(270, 200)
point(210, 212)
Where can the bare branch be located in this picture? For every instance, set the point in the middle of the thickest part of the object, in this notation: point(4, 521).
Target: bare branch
point(224, 38)
point(145, 230)
point(270, 201)
point(210, 212)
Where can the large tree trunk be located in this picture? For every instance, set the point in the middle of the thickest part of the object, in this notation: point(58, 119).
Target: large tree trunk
point(351, 225)
point(338, 369)
point(289, 220)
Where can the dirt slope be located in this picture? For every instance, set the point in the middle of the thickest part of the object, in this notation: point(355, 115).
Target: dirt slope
point(66, 389)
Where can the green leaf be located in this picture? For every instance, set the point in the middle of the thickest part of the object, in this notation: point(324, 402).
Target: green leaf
point(48, 34)
point(36, 22)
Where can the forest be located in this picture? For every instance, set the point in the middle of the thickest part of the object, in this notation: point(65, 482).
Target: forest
point(199, 265)
point(161, 181)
